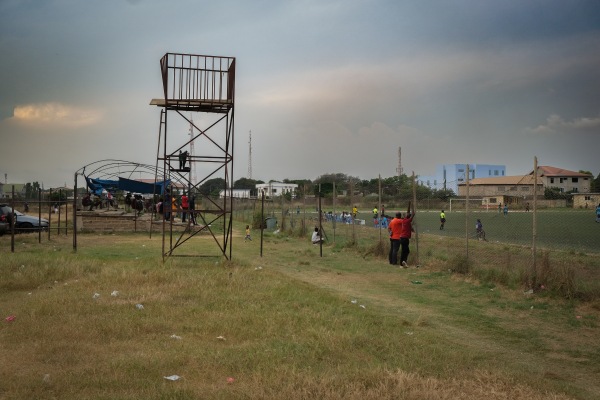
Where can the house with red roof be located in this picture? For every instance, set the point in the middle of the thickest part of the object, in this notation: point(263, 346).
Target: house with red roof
point(564, 180)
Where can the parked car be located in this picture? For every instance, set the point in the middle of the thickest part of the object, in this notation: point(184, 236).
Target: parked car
point(3, 225)
point(23, 222)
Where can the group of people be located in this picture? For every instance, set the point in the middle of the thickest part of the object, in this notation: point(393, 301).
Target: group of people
point(400, 230)
point(345, 217)
point(171, 206)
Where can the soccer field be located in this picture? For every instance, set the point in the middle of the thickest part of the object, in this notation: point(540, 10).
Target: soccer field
point(557, 230)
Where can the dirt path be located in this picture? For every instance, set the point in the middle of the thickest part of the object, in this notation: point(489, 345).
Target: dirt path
point(515, 339)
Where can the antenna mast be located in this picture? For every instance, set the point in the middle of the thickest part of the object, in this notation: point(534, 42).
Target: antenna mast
point(399, 170)
point(250, 156)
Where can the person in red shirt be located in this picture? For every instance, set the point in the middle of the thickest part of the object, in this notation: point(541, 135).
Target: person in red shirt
point(395, 228)
point(405, 235)
point(184, 206)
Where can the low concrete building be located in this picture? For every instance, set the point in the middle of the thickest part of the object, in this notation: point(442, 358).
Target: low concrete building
point(273, 189)
point(520, 186)
point(586, 200)
point(236, 193)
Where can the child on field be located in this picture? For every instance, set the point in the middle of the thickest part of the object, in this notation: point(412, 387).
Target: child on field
point(247, 234)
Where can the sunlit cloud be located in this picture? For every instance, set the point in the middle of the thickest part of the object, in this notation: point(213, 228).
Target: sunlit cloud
point(56, 114)
point(556, 124)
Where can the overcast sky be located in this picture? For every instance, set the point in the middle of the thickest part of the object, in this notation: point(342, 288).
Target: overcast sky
point(325, 86)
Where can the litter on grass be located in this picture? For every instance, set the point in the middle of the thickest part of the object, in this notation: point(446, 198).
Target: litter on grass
point(354, 301)
point(174, 336)
point(221, 338)
point(362, 306)
point(10, 318)
point(96, 296)
point(139, 306)
point(416, 282)
point(172, 377)
point(230, 379)
point(114, 293)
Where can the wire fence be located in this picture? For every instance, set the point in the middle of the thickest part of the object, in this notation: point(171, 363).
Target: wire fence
point(524, 240)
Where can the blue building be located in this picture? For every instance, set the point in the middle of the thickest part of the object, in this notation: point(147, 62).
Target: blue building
point(448, 176)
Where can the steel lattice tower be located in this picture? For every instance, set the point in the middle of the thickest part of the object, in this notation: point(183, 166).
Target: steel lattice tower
point(204, 85)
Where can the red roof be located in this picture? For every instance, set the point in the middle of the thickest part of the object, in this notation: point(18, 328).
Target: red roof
point(553, 171)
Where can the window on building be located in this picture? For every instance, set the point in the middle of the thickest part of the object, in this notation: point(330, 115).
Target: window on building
point(513, 189)
point(493, 200)
point(490, 172)
point(274, 191)
point(551, 180)
point(587, 197)
point(460, 179)
point(575, 190)
point(461, 170)
point(574, 180)
point(501, 188)
point(562, 180)
point(496, 172)
point(524, 188)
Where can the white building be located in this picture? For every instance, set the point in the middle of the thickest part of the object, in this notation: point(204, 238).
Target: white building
point(236, 193)
point(273, 189)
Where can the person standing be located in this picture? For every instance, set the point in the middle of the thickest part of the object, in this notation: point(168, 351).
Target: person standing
point(184, 206)
point(442, 220)
point(191, 208)
point(247, 237)
point(354, 212)
point(395, 229)
point(479, 230)
point(598, 213)
point(505, 209)
point(405, 235)
point(499, 208)
point(182, 159)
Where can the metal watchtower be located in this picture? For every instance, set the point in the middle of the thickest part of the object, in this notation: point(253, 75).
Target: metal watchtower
point(203, 86)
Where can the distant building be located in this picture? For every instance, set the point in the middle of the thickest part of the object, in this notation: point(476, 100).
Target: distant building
point(586, 200)
point(565, 180)
point(501, 190)
point(236, 193)
point(273, 189)
point(449, 176)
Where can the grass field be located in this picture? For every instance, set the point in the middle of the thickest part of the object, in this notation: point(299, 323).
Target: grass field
point(561, 230)
point(288, 325)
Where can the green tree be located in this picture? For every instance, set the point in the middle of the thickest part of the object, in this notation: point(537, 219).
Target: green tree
point(595, 185)
point(212, 187)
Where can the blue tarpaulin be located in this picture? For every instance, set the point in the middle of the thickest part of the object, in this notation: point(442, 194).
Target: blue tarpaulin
point(127, 185)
